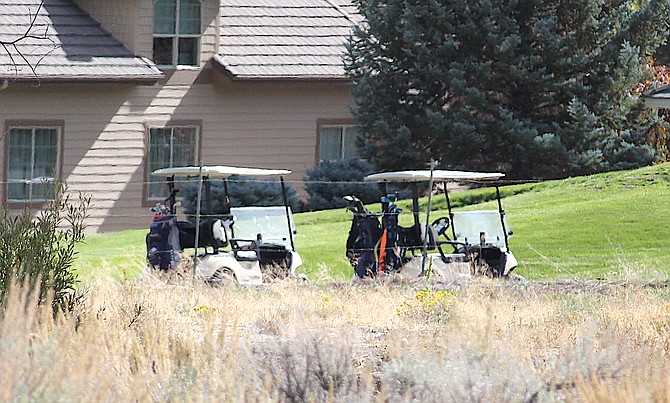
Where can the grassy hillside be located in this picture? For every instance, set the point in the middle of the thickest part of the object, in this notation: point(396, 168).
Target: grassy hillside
point(592, 226)
point(586, 227)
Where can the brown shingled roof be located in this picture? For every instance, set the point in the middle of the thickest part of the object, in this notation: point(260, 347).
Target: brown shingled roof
point(64, 44)
point(278, 39)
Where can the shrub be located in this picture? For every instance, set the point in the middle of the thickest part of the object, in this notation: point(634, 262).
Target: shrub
point(328, 182)
point(242, 191)
point(309, 368)
point(38, 250)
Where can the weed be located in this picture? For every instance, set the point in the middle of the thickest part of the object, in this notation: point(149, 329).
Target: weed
point(428, 305)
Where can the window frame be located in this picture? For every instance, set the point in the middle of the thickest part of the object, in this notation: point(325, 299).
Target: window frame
point(59, 126)
point(328, 123)
point(147, 199)
point(175, 39)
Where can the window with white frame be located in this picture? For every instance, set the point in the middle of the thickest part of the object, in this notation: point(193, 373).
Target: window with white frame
point(33, 163)
point(337, 142)
point(169, 147)
point(177, 32)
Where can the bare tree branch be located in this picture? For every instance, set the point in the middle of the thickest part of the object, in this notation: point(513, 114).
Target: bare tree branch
point(13, 46)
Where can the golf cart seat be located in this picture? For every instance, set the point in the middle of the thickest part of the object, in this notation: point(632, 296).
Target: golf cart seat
point(213, 233)
point(412, 240)
point(274, 258)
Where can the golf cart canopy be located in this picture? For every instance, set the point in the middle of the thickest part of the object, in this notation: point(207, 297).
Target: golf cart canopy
point(438, 175)
point(219, 171)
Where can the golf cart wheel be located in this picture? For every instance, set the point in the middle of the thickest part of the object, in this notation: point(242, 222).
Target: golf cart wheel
point(222, 278)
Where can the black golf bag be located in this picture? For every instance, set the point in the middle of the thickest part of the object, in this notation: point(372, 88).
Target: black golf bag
point(163, 240)
point(390, 246)
point(361, 243)
point(373, 246)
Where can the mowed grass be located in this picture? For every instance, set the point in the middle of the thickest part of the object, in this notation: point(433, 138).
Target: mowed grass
point(593, 226)
point(114, 256)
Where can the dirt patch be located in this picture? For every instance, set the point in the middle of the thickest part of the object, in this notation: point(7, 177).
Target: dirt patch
point(514, 284)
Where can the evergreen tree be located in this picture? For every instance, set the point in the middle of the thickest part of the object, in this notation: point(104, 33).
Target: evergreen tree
point(328, 182)
point(529, 87)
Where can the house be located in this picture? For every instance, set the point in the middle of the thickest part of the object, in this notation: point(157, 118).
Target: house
point(658, 97)
point(102, 92)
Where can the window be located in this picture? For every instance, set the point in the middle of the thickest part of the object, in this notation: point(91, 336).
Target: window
point(176, 32)
point(33, 163)
point(337, 142)
point(169, 147)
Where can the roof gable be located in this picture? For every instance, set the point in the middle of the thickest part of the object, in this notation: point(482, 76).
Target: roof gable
point(279, 39)
point(64, 43)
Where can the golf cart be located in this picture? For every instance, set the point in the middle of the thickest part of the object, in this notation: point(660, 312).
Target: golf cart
point(477, 240)
point(246, 245)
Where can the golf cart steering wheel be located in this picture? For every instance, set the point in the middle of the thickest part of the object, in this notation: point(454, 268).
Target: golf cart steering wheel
point(441, 225)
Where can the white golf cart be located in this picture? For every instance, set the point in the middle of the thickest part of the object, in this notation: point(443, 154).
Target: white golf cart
point(477, 241)
point(258, 241)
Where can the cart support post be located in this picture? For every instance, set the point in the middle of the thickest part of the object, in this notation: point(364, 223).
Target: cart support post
point(208, 196)
point(502, 216)
point(172, 198)
point(226, 197)
point(415, 206)
point(288, 215)
point(451, 214)
point(424, 250)
point(197, 222)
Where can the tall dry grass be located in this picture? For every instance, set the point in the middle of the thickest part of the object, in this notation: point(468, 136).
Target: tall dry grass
point(480, 340)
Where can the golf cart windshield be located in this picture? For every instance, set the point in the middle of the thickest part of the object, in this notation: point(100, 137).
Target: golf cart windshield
point(270, 222)
point(471, 225)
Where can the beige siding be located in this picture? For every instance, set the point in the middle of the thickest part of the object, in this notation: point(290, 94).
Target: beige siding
point(124, 19)
point(209, 42)
point(131, 22)
point(269, 125)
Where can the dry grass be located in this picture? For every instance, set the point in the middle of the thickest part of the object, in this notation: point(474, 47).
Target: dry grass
point(478, 340)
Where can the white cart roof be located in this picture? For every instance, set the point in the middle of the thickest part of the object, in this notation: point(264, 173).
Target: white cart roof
point(438, 175)
point(219, 171)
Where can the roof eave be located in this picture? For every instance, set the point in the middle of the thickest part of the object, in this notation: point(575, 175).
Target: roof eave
point(248, 77)
point(140, 79)
point(654, 91)
point(290, 78)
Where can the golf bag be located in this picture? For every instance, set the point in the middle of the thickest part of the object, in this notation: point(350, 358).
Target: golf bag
point(163, 239)
point(373, 246)
point(389, 245)
point(363, 236)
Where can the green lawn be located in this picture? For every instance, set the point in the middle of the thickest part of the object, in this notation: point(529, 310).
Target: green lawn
point(593, 226)
point(587, 226)
point(116, 256)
